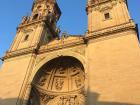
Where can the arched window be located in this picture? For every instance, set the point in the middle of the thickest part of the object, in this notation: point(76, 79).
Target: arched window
point(26, 37)
point(107, 16)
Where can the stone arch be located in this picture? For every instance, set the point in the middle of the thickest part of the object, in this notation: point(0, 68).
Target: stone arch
point(67, 72)
point(57, 54)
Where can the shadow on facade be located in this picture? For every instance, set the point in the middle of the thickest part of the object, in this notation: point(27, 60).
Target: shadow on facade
point(10, 101)
point(94, 100)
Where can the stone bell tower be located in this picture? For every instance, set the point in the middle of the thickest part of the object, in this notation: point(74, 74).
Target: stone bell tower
point(99, 68)
point(35, 30)
point(38, 28)
point(114, 52)
point(110, 13)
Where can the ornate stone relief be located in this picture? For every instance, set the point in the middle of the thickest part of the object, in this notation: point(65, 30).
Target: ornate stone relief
point(78, 80)
point(107, 6)
point(77, 99)
point(104, 7)
point(60, 82)
point(45, 98)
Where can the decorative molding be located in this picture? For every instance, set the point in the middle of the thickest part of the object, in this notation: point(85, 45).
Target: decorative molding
point(39, 59)
point(59, 83)
point(73, 99)
point(111, 30)
point(45, 98)
point(61, 45)
point(20, 52)
point(105, 6)
point(73, 43)
point(102, 5)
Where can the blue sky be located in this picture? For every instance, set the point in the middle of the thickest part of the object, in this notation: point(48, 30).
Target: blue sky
point(73, 19)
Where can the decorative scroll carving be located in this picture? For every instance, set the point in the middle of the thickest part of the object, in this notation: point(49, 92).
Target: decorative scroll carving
point(78, 99)
point(78, 81)
point(45, 98)
point(105, 6)
point(68, 100)
point(59, 83)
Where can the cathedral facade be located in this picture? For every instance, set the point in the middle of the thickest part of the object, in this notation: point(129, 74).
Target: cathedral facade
point(100, 68)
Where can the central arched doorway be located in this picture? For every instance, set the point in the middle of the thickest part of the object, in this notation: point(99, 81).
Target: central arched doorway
point(59, 82)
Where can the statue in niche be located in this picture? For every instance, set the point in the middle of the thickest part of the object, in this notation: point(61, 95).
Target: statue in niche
point(59, 84)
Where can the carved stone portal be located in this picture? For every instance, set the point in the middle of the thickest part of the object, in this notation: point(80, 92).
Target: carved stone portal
point(59, 82)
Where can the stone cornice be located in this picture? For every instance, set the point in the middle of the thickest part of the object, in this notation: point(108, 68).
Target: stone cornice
point(32, 23)
point(10, 54)
point(74, 42)
point(61, 45)
point(92, 35)
point(111, 30)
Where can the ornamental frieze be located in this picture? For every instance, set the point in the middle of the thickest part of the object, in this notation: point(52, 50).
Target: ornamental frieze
point(106, 6)
point(122, 27)
point(102, 7)
point(77, 99)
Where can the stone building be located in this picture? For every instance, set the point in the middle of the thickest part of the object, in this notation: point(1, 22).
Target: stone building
point(100, 68)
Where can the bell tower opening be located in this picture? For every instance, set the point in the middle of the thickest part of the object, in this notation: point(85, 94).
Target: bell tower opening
point(59, 82)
